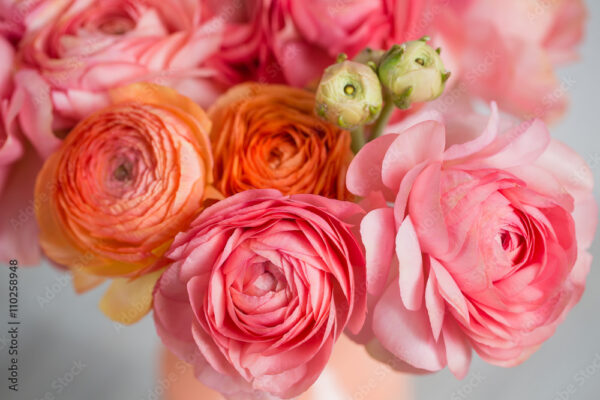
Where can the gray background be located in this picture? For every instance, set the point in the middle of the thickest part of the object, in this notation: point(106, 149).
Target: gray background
point(62, 333)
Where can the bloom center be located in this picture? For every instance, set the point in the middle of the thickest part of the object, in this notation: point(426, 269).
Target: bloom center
point(266, 282)
point(123, 172)
point(263, 279)
point(117, 25)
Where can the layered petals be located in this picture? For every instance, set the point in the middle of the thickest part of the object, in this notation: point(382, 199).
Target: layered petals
point(72, 53)
point(124, 182)
point(267, 136)
point(260, 287)
point(491, 239)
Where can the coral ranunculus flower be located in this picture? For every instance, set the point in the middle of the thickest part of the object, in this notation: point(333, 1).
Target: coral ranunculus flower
point(125, 181)
point(260, 289)
point(267, 136)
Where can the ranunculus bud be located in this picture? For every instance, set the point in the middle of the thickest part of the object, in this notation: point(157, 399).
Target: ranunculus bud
point(369, 56)
point(413, 72)
point(349, 94)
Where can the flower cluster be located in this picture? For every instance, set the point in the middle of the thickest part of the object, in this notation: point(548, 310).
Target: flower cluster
point(226, 168)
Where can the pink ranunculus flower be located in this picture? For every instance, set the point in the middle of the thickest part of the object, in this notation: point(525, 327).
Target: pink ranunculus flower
point(556, 26)
point(74, 51)
point(306, 36)
point(286, 41)
point(508, 51)
point(260, 288)
point(480, 245)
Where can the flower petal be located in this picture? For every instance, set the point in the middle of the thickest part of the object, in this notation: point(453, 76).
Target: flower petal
point(422, 142)
point(127, 301)
point(377, 231)
point(407, 334)
point(410, 261)
point(458, 351)
point(364, 172)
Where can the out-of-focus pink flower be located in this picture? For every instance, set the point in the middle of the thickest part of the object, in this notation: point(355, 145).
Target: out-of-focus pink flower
point(497, 50)
point(19, 16)
point(10, 26)
point(260, 288)
point(306, 36)
point(10, 148)
point(484, 245)
point(74, 51)
point(285, 41)
point(507, 51)
point(555, 26)
point(19, 163)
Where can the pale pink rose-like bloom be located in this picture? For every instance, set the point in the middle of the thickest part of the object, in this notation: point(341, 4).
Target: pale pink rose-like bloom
point(507, 51)
point(556, 26)
point(477, 245)
point(74, 51)
point(260, 288)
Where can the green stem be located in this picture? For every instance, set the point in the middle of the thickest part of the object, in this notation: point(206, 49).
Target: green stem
point(358, 139)
point(384, 117)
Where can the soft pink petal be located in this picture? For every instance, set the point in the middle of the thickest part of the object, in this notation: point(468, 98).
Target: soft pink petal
point(426, 212)
point(458, 350)
point(411, 120)
point(18, 225)
point(377, 230)
point(450, 290)
point(407, 334)
point(436, 308)
point(36, 111)
point(364, 172)
point(410, 261)
point(521, 145)
point(422, 142)
point(480, 142)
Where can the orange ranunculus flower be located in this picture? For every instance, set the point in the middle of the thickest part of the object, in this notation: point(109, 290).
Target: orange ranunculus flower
point(267, 136)
point(125, 181)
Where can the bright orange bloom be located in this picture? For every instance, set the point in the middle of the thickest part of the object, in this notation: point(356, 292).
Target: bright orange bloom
point(125, 181)
point(267, 136)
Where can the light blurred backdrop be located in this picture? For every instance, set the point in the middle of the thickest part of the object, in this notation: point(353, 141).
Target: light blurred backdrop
point(69, 351)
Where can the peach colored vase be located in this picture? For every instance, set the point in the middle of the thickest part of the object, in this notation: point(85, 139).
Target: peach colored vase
point(350, 375)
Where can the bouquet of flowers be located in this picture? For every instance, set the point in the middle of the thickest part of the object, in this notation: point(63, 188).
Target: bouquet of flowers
point(265, 176)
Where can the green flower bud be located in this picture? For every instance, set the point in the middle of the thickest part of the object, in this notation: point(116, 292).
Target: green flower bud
point(349, 95)
point(370, 57)
point(413, 72)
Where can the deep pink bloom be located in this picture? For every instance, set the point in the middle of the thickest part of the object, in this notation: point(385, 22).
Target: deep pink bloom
point(306, 36)
point(480, 245)
point(287, 41)
point(260, 288)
